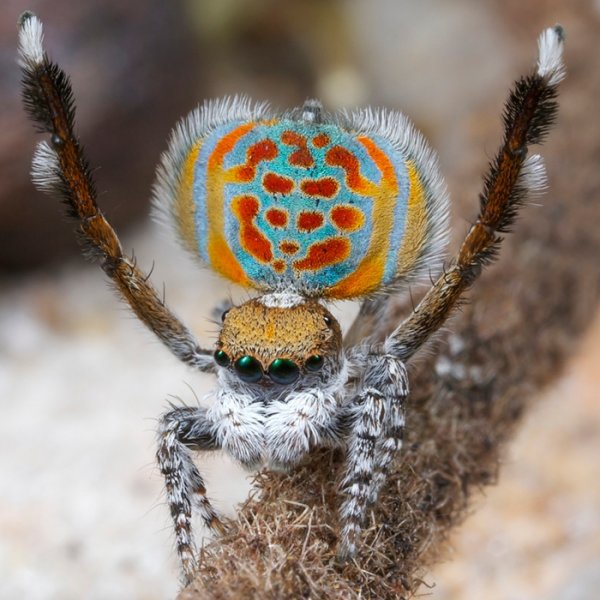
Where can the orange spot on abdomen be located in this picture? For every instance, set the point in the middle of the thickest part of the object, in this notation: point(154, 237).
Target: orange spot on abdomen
point(324, 254)
point(279, 266)
point(338, 156)
point(277, 184)
point(289, 247)
point(246, 208)
point(321, 140)
point(257, 153)
point(326, 187)
point(251, 238)
point(301, 157)
point(347, 218)
point(276, 217)
point(263, 150)
point(309, 221)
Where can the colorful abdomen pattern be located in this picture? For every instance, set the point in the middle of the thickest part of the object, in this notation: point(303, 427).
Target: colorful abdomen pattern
point(283, 203)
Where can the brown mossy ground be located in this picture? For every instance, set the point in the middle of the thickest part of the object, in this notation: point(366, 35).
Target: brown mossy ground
point(469, 391)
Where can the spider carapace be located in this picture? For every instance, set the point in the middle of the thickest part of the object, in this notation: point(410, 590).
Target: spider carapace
point(304, 207)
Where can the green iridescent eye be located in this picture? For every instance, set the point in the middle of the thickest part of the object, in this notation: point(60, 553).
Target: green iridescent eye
point(221, 358)
point(314, 362)
point(248, 369)
point(284, 371)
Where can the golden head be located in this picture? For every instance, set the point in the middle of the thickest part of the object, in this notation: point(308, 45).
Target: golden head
point(281, 335)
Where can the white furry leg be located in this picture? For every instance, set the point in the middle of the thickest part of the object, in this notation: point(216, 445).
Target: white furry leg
point(376, 436)
point(181, 430)
point(360, 467)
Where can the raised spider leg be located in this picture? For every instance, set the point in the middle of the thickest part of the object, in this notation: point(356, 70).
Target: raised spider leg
point(60, 167)
point(528, 115)
point(181, 431)
point(376, 429)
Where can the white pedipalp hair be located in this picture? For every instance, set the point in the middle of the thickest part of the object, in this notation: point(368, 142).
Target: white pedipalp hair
point(45, 168)
point(188, 131)
point(410, 143)
point(31, 37)
point(550, 63)
point(533, 176)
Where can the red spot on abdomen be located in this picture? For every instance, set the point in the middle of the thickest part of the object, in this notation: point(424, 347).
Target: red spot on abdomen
point(257, 153)
point(347, 218)
point(246, 208)
point(252, 240)
point(289, 247)
point(321, 140)
point(324, 254)
point(277, 217)
point(263, 150)
point(309, 221)
point(326, 187)
point(277, 184)
point(339, 156)
point(301, 157)
point(279, 266)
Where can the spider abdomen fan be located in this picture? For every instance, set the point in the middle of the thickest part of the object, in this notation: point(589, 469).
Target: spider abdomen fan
point(329, 206)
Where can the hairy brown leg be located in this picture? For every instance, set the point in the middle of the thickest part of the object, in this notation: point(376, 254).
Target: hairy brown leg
point(529, 113)
point(61, 167)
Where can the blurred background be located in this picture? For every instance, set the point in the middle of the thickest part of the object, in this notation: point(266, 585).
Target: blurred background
point(82, 383)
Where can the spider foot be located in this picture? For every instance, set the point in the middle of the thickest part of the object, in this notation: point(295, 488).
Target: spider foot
point(348, 544)
point(219, 525)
